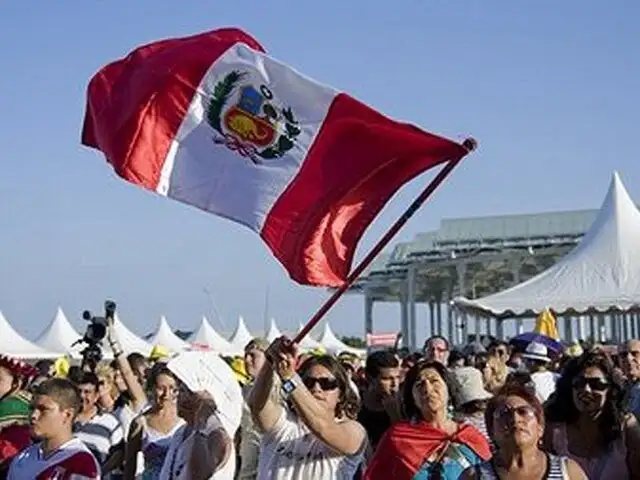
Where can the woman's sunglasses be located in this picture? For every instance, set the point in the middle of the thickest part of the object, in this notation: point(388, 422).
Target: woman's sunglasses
point(595, 384)
point(325, 384)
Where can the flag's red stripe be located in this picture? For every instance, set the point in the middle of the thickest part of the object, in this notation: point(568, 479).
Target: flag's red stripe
point(136, 104)
point(359, 160)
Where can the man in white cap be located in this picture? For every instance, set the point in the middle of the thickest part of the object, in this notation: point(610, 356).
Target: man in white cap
point(536, 357)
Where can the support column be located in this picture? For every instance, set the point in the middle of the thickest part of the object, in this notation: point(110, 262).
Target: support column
point(432, 318)
point(439, 329)
point(478, 328)
point(411, 305)
point(460, 320)
point(404, 320)
point(593, 328)
point(514, 266)
point(368, 312)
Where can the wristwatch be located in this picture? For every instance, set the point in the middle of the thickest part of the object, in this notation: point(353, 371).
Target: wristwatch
point(288, 386)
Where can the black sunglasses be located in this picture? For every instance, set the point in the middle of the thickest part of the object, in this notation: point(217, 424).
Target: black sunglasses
point(523, 411)
point(324, 383)
point(595, 384)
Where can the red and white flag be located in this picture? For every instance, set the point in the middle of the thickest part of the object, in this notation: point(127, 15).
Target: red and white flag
point(211, 120)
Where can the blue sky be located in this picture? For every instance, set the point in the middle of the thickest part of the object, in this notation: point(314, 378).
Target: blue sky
point(550, 90)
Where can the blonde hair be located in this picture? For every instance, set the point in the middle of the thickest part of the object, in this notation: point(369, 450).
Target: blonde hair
point(105, 372)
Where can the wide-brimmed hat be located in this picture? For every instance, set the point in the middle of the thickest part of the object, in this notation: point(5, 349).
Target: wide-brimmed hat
point(469, 385)
point(18, 367)
point(537, 351)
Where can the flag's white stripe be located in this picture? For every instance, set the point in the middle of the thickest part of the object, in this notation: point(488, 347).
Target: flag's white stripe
point(210, 176)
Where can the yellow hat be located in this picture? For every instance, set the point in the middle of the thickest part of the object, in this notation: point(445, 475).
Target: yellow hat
point(238, 367)
point(61, 367)
point(159, 352)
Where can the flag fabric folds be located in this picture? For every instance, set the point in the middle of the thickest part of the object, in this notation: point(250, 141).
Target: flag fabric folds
point(212, 121)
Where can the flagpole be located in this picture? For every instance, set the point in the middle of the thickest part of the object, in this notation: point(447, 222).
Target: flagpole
point(431, 187)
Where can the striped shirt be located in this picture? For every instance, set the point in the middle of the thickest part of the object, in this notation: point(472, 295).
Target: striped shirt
point(100, 434)
point(556, 469)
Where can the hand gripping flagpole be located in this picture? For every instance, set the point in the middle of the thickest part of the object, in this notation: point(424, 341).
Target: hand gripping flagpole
point(470, 144)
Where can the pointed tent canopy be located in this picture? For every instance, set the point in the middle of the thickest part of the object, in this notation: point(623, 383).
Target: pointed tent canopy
point(207, 336)
point(59, 335)
point(273, 332)
point(130, 341)
point(601, 274)
point(12, 343)
point(334, 345)
point(241, 336)
point(308, 342)
point(164, 336)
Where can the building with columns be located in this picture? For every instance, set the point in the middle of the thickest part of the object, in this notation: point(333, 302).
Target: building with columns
point(471, 257)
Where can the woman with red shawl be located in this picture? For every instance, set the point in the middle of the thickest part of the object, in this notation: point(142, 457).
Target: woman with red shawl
point(429, 444)
point(15, 410)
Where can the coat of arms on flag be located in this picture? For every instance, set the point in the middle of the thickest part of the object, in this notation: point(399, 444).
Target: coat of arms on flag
point(255, 126)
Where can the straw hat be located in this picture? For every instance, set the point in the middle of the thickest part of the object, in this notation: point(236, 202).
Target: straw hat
point(469, 385)
point(537, 351)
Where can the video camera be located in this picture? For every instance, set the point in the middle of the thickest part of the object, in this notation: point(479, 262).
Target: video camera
point(94, 334)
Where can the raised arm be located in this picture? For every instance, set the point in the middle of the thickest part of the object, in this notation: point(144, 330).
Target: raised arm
point(212, 445)
point(136, 391)
point(265, 409)
point(346, 437)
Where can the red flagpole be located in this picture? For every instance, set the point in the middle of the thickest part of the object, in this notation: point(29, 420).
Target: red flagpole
point(431, 187)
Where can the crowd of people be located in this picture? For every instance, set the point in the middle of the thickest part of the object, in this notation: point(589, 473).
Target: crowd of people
point(479, 412)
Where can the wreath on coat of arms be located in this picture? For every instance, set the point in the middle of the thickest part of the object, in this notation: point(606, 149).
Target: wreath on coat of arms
point(254, 126)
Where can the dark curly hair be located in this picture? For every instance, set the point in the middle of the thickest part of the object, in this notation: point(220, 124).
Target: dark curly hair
point(348, 403)
point(409, 408)
point(158, 369)
point(561, 409)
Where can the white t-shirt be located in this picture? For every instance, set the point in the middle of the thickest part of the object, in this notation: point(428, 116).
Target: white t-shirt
point(71, 461)
point(176, 463)
point(291, 452)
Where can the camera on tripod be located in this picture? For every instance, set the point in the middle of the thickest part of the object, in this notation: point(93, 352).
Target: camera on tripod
point(94, 334)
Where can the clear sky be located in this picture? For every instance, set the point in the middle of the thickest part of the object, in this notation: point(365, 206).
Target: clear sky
point(550, 90)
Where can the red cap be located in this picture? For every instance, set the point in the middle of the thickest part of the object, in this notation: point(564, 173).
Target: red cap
point(18, 367)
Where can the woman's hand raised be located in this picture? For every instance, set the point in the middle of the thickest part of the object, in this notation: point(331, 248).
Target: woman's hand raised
point(283, 355)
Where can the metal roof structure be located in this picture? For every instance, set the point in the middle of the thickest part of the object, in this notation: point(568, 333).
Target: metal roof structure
point(495, 250)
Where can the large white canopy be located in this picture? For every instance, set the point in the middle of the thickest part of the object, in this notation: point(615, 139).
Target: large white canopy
point(333, 344)
point(206, 336)
point(129, 341)
point(167, 338)
point(59, 336)
point(12, 343)
point(273, 332)
point(308, 342)
point(241, 336)
point(601, 274)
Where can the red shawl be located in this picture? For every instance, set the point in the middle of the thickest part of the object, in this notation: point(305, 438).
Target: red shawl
point(405, 447)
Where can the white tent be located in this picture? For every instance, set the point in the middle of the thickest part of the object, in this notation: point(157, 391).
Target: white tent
point(602, 273)
point(207, 336)
point(241, 336)
point(164, 336)
point(273, 332)
point(12, 343)
point(59, 335)
point(130, 342)
point(334, 345)
point(308, 342)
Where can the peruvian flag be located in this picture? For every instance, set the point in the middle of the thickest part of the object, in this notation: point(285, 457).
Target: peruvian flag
point(211, 120)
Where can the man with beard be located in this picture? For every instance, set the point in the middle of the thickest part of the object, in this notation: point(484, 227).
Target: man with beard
point(379, 403)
